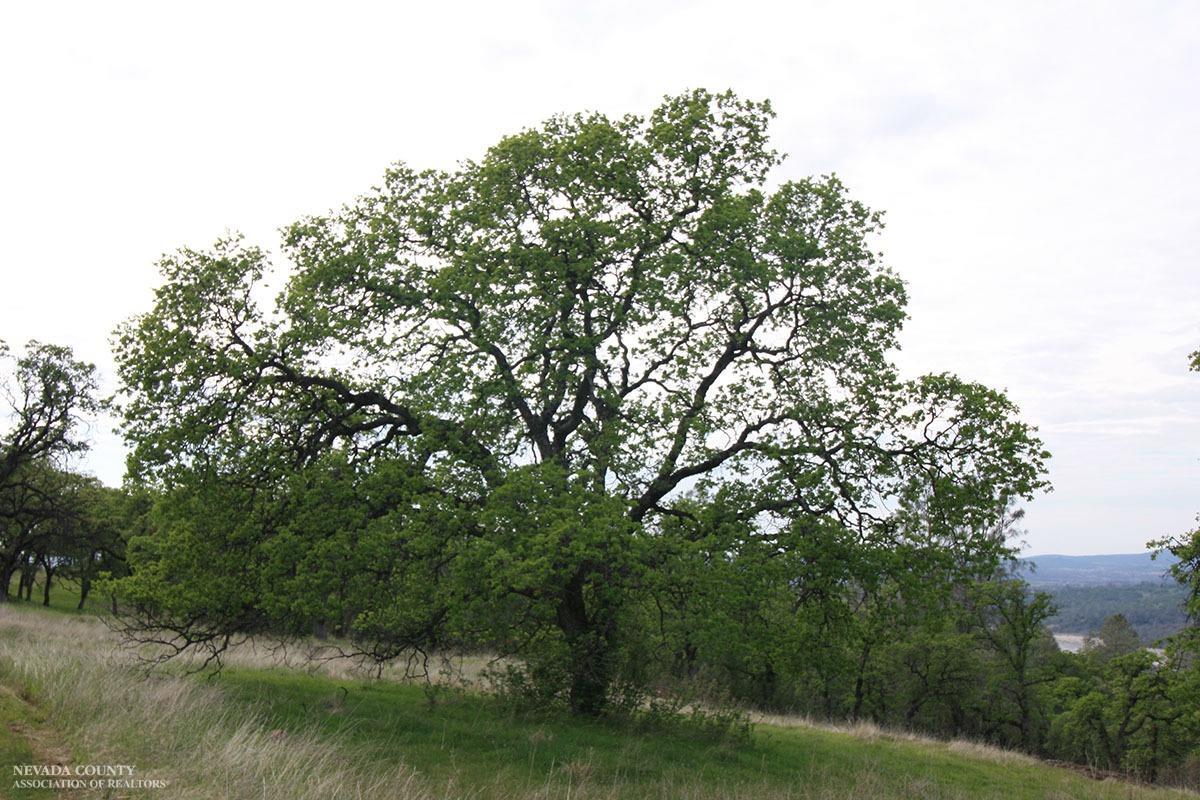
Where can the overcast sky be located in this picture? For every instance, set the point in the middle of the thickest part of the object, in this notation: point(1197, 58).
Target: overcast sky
point(1039, 164)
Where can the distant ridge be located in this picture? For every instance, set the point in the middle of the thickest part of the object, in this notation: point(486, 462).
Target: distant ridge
point(1117, 568)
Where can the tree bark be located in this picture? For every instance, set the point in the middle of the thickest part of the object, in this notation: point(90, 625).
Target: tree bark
point(46, 588)
point(589, 645)
point(859, 694)
point(7, 571)
point(28, 574)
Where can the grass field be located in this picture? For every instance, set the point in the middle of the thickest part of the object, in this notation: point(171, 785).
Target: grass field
point(69, 694)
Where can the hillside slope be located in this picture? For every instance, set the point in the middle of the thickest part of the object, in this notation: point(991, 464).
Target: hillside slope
point(282, 733)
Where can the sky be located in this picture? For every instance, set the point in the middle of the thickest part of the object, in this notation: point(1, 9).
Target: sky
point(1038, 163)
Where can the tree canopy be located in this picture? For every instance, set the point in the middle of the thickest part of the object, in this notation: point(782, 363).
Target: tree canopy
point(488, 400)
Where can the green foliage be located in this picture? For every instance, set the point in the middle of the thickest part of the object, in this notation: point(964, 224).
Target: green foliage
point(1186, 570)
point(1138, 714)
point(928, 680)
point(1012, 624)
point(500, 404)
point(1115, 638)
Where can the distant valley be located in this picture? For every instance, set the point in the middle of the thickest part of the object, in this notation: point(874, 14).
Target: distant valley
point(1088, 589)
point(1122, 568)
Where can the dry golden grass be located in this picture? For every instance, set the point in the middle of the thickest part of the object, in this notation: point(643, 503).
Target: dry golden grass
point(174, 728)
point(323, 658)
point(870, 731)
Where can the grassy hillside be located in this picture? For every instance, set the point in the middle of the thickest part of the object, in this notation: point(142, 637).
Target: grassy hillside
point(70, 694)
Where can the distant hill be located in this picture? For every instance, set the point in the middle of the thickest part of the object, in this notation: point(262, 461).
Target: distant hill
point(1123, 568)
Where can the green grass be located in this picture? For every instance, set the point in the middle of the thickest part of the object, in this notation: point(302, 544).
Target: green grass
point(21, 726)
point(64, 596)
point(469, 741)
point(279, 733)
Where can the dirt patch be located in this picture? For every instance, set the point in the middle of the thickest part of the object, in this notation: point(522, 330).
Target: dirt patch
point(44, 744)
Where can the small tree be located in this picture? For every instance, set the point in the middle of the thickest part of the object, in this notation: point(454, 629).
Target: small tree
point(1115, 638)
point(1011, 621)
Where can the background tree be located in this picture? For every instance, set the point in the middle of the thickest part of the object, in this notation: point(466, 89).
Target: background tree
point(106, 518)
point(1136, 713)
point(48, 394)
point(1115, 638)
point(544, 351)
point(1011, 624)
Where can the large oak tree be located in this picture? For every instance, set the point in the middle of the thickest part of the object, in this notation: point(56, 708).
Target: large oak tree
point(482, 391)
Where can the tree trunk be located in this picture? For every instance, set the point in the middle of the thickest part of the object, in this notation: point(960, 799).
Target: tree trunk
point(46, 588)
point(1024, 722)
point(6, 576)
point(85, 586)
point(914, 708)
point(685, 660)
point(768, 684)
point(589, 645)
point(1152, 768)
point(28, 575)
point(858, 681)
